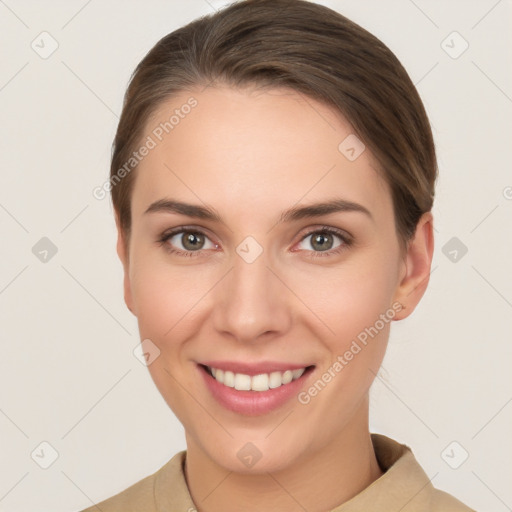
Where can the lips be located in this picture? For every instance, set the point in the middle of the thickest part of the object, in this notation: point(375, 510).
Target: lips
point(254, 389)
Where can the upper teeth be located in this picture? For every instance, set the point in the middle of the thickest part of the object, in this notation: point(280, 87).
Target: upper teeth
point(262, 382)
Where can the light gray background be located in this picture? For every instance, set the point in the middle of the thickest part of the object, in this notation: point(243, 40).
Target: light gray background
point(68, 375)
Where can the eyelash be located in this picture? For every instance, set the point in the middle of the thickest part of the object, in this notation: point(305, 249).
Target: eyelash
point(347, 241)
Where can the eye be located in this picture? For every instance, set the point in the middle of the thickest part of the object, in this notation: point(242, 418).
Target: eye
point(189, 242)
point(322, 241)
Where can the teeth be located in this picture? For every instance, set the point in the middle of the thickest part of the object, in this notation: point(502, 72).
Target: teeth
point(229, 379)
point(259, 382)
point(262, 382)
point(242, 382)
point(297, 373)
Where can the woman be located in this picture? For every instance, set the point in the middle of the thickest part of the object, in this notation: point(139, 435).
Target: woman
point(273, 178)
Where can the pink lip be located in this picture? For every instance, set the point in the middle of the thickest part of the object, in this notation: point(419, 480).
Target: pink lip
point(253, 368)
point(253, 403)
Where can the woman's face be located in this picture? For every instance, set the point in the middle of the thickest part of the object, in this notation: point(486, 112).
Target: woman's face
point(253, 286)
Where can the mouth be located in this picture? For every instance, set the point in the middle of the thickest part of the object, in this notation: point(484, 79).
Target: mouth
point(252, 381)
point(252, 391)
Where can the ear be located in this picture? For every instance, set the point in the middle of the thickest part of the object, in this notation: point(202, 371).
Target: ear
point(416, 267)
point(122, 252)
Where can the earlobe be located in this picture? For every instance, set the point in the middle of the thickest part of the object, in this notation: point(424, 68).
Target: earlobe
point(122, 252)
point(417, 267)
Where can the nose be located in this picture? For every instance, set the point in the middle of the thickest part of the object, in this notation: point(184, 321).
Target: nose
point(251, 301)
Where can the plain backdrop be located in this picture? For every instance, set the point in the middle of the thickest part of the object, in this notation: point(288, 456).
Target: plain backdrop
point(68, 375)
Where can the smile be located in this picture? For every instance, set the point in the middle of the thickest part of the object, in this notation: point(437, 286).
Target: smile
point(254, 389)
point(261, 382)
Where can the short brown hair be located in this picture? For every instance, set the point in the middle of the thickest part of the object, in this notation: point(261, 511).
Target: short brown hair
point(308, 48)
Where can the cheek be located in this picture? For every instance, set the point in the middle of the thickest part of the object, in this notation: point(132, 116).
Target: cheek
point(357, 308)
point(351, 297)
point(166, 296)
point(167, 303)
point(355, 303)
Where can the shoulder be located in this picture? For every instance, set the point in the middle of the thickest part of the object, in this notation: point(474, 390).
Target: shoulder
point(139, 496)
point(144, 494)
point(443, 502)
point(404, 484)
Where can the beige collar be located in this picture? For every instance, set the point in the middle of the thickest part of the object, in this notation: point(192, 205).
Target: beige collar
point(403, 487)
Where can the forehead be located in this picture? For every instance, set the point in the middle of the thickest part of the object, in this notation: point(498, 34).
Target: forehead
point(253, 147)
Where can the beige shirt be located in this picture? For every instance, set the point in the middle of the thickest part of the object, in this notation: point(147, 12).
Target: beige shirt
point(404, 487)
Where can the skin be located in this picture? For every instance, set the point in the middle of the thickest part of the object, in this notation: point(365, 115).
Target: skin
point(251, 154)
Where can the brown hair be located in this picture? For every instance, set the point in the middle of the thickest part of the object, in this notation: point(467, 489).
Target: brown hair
point(305, 47)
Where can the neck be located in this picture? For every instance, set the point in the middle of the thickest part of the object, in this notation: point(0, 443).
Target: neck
point(317, 482)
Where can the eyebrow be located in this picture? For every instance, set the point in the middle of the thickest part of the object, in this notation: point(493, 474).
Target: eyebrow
point(293, 214)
